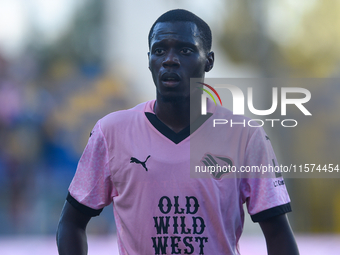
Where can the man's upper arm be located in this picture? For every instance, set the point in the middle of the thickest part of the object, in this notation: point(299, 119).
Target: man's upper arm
point(71, 233)
point(71, 215)
point(279, 236)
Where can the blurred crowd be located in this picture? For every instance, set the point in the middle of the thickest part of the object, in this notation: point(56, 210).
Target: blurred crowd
point(46, 115)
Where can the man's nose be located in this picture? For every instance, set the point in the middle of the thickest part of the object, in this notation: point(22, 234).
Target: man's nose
point(171, 59)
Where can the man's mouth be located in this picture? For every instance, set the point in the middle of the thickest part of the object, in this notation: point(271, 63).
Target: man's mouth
point(170, 79)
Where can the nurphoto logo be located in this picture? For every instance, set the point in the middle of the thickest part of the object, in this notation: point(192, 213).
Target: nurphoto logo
point(239, 104)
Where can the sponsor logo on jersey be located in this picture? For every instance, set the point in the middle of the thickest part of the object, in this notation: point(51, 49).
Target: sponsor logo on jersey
point(137, 161)
point(220, 164)
point(278, 183)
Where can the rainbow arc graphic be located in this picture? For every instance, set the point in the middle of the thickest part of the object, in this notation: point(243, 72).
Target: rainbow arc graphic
point(209, 93)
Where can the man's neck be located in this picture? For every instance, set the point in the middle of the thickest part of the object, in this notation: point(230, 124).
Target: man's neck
point(176, 114)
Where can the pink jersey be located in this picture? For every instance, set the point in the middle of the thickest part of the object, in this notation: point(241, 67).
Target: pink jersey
point(146, 170)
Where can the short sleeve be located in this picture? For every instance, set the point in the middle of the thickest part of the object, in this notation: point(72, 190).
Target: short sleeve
point(266, 196)
point(91, 188)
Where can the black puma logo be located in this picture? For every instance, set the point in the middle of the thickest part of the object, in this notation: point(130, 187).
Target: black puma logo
point(267, 138)
point(137, 161)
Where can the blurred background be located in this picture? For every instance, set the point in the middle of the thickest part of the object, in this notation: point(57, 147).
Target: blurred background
point(66, 63)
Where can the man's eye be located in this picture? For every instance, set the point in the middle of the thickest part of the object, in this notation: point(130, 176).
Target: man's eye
point(159, 51)
point(186, 51)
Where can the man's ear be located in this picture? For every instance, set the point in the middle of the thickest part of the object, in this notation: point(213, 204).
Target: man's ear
point(210, 61)
point(149, 60)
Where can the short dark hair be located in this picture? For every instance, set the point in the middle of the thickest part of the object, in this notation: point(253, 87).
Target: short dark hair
point(186, 16)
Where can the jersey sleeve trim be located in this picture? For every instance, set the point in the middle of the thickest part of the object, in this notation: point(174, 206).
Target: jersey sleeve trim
point(272, 212)
point(83, 208)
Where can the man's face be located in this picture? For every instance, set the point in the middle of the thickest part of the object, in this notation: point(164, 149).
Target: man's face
point(176, 55)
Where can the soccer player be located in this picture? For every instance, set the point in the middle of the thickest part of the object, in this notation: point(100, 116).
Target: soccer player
point(139, 160)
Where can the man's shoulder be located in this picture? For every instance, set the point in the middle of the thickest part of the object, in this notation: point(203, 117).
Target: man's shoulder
point(224, 118)
point(121, 117)
point(224, 113)
point(220, 112)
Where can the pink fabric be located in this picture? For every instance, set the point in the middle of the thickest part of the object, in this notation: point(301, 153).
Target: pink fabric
point(166, 209)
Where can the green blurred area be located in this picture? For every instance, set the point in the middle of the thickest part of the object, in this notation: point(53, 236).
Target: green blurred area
point(309, 47)
point(52, 95)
